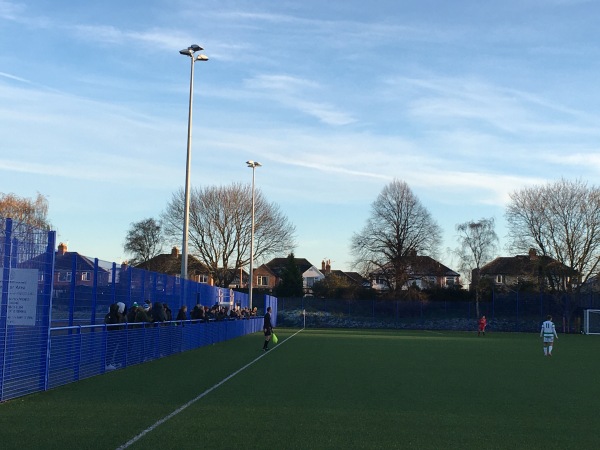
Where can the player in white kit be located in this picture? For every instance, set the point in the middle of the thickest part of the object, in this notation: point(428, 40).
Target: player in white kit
point(548, 333)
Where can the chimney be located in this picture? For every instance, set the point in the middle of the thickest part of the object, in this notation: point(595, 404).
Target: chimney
point(175, 251)
point(532, 254)
point(328, 266)
point(323, 266)
point(62, 248)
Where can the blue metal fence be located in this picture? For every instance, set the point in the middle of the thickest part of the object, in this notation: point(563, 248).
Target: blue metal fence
point(93, 285)
point(512, 311)
point(53, 306)
point(82, 351)
point(26, 258)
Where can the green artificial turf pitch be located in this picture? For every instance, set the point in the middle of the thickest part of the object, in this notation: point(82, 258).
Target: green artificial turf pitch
point(330, 389)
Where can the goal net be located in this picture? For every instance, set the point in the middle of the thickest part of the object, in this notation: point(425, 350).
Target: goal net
point(591, 321)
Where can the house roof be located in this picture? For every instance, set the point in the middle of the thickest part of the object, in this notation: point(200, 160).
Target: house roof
point(417, 265)
point(353, 277)
point(276, 265)
point(170, 263)
point(64, 261)
point(524, 265)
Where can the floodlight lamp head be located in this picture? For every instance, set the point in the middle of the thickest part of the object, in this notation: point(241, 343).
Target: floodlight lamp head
point(191, 50)
point(201, 58)
point(253, 164)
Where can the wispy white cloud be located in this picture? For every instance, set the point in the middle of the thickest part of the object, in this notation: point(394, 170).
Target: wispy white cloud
point(165, 39)
point(10, 10)
point(294, 93)
point(507, 109)
point(14, 77)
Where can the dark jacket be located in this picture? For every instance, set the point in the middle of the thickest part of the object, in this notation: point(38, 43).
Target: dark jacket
point(182, 314)
point(158, 312)
point(113, 317)
point(168, 312)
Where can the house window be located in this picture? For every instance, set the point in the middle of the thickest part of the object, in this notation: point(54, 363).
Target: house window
point(262, 281)
point(449, 281)
point(499, 279)
point(310, 281)
point(380, 280)
point(203, 278)
point(85, 276)
point(64, 277)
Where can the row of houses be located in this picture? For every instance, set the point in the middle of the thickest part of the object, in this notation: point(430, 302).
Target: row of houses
point(421, 271)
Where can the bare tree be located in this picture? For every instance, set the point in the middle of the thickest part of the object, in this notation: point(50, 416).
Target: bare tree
point(23, 210)
point(560, 220)
point(398, 228)
point(144, 240)
point(220, 224)
point(478, 243)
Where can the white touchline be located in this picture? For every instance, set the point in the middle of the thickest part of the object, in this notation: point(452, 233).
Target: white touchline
point(194, 400)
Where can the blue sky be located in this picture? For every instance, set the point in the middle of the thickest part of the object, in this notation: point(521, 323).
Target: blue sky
point(466, 101)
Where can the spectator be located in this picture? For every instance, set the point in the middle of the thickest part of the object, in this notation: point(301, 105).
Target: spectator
point(143, 314)
point(112, 339)
point(168, 312)
point(182, 314)
point(197, 312)
point(132, 312)
point(158, 312)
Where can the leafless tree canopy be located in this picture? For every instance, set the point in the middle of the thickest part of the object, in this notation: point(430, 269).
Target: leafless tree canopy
point(220, 225)
point(560, 220)
point(399, 227)
point(144, 240)
point(477, 244)
point(25, 211)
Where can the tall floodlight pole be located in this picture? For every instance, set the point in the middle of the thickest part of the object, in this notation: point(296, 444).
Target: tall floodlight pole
point(253, 165)
point(190, 51)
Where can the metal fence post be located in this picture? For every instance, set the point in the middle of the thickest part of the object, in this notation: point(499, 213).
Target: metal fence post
point(48, 279)
point(4, 303)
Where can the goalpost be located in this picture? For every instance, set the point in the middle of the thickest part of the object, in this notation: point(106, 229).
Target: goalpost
point(591, 321)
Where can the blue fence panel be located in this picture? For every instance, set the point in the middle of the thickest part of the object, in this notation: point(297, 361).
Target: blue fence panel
point(26, 255)
point(80, 352)
point(53, 305)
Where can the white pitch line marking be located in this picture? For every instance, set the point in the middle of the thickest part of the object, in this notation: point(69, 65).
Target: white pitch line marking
point(194, 400)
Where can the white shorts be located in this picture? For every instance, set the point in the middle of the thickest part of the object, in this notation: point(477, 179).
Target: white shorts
point(549, 339)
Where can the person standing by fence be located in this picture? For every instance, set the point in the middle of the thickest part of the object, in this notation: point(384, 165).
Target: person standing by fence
point(111, 319)
point(548, 333)
point(267, 328)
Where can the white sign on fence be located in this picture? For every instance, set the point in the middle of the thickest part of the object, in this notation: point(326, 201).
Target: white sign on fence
point(22, 296)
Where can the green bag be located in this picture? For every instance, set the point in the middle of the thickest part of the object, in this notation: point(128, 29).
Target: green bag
point(274, 338)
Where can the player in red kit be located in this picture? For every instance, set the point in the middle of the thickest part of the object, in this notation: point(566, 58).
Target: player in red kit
point(482, 325)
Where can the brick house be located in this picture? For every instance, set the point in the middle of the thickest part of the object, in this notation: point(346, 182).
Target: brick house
point(532, 271)
point(353, 278)
point(423, 272)
point(268, 275)
point(71, 264)
point(170, 263)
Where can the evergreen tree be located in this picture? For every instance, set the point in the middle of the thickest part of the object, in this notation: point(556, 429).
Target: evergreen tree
point(291, 284)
